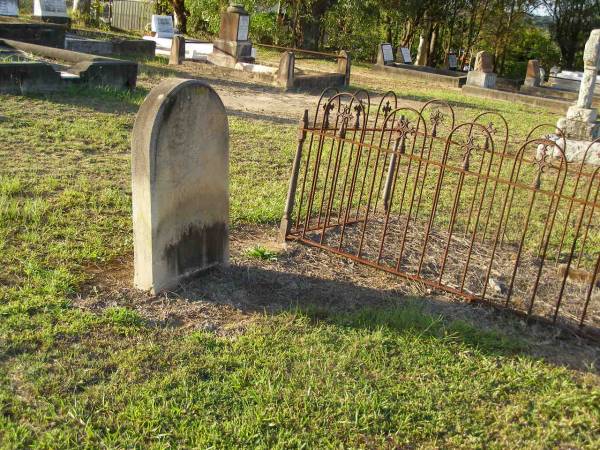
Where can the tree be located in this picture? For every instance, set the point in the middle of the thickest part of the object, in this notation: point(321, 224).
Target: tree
point(572, 21)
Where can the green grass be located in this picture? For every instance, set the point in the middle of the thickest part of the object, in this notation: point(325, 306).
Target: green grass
point(375, 378)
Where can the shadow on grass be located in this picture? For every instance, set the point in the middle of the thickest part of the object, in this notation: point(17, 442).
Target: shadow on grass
point(279, 288)
point(100, 99)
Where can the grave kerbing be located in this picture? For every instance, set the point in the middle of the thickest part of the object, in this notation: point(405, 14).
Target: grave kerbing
point(180, 184)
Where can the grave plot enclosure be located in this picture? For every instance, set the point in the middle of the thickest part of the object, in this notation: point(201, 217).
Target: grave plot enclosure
point(451, 205)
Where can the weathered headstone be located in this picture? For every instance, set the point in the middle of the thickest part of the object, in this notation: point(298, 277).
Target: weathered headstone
point(580, 122)
point(483, 74)
point(9, 8)
point(51, 10)
point(385, 55)
point(177, 50)
point(404, 55)
point(162, 26)
point(180, 184)
point(532, 77)
point(233, 40)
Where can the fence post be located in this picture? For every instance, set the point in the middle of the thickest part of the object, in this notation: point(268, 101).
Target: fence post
point(285, 74)
point(285, 226)
point(344, 66)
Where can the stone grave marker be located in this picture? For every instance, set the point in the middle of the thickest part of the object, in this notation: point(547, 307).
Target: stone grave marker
point(234, 34)
point(385, 56)
point(51, 10)
point(452, 61)
point(580, 122)
point(162, 26)
point(9, 8)
point(404, 55)
point(483, 73)
point(532, 77)
point(180, 184)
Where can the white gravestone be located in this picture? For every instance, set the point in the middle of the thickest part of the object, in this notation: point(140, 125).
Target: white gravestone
point(9, 8)
point(388, 53)
point(452, 62)
point(243, 28)
point(162, 26)
point(50, 8)
point(180, 184)
point(405, 53)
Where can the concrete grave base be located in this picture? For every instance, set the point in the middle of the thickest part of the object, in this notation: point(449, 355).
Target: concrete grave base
point(575, 151)
point(84, 68)
point(485, 80)
point(180, 184)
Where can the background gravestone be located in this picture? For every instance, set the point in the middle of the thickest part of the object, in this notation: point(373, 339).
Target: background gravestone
point(385, 55)
point(180, 184)
point(533, 75)
point(404, 55)
point(9, 8)
point(452, 61)
point(162, 26)
point(233, 40)
point(54, 11)
point(483, 74)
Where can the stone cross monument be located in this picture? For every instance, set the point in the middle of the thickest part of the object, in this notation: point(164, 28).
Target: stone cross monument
point(580, 122)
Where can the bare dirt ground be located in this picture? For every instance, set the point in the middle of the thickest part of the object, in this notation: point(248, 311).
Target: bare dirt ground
point(226, 300)
point(258, 101)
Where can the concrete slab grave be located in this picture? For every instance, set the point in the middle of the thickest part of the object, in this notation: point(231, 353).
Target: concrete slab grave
point(28, 69)
point(180, 184)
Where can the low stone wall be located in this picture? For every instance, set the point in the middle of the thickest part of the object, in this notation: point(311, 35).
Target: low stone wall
point(50, 35)
point(548, 103)
point(440, 77)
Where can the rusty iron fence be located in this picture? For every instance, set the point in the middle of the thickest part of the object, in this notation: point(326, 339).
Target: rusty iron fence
point(456, 206)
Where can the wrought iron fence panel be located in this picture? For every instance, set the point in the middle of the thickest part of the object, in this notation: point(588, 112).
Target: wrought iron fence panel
point(461, 208)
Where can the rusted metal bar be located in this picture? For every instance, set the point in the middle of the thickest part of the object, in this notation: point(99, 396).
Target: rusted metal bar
point(300, 50)
point(285, 225)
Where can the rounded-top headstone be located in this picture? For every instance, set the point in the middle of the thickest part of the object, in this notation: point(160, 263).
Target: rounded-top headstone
point(180, 184)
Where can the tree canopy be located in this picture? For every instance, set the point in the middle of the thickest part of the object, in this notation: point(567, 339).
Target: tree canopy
point(514, 31)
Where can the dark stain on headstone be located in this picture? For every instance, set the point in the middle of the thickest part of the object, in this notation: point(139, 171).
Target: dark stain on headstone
point(198, 248)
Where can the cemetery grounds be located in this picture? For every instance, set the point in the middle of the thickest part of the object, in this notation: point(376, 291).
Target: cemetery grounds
point(290, 347)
